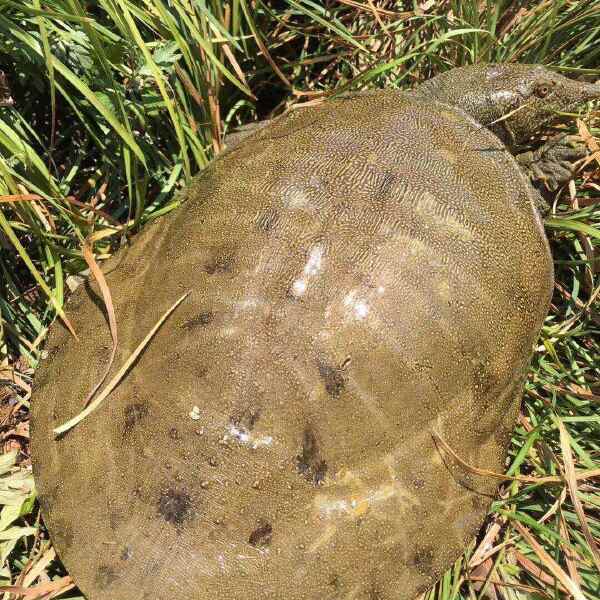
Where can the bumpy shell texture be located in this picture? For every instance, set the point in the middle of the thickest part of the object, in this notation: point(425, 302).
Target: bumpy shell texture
point(362, 274)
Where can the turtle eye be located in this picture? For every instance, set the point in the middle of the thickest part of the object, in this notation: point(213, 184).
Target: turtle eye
point(543, 89)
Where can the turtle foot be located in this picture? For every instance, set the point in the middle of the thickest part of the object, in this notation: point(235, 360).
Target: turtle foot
point(552, 164)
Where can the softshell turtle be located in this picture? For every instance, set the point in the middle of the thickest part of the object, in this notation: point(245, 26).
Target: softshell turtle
point(368, 276)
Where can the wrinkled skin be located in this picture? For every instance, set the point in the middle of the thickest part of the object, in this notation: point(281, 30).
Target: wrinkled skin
point(364, 275)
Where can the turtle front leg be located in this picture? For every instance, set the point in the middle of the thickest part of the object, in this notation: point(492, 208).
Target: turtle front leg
point(552, 163)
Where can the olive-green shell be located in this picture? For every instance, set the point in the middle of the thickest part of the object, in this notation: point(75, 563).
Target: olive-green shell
point(363, 274)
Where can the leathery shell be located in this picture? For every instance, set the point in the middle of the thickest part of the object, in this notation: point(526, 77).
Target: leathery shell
point(363, 274)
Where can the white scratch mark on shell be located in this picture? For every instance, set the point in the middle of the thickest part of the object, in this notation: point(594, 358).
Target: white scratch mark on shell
point(245, 437)
point(294, 197)
point(358, 308)
point(313, 266)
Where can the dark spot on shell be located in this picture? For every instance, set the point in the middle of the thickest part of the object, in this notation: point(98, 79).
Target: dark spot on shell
point(76, 299)
point(502, 436)
point(127, 553)
point(200, 320)
point(421, 589)
point(41, 380)
point(52, 350)
point(419, 483)
point(485, 384)
point(174, 434)
point(333, 378)
point(62, 536)
point(423, 561)
point(310, 462)
point(220, 262)
point(480, 502)
point(45, 501)
point(114, 521)
point(134, 413)
point(262, 535)
point(386, 183)
point(105, 576)
point(466, 480)
point(375, 592)
point(246, 418)
point(175, 506)
point(334, 582)
point(267, 220)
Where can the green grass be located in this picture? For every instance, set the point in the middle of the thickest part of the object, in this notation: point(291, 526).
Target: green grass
point(120, 103)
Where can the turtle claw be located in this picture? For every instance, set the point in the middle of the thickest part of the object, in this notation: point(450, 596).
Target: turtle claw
point(552, 163)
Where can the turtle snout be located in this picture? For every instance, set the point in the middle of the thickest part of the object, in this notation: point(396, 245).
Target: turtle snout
point(591, 91)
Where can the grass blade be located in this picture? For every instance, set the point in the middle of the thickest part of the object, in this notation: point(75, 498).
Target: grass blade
point(112, 384)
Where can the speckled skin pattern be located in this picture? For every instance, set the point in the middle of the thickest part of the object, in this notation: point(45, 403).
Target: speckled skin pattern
point(362, 274)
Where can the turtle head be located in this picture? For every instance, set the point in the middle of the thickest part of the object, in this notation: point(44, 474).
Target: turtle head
point(515, 101)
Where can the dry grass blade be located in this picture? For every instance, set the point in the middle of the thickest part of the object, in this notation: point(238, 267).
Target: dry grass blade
point(12, 237)
point(377, 9)
point(378, 19)
point(487, 543)
point(51, 589)
point(589, 141)
point(88, 255)
point(20, 198)
point(571, 557)
point(112, 384)
point(521, 478)
point(236, 67)
point(550, 563)
point(88, 207)
point(515, 586)
point(190, 87)
point(262, 46)
point(537, 572)
point(37, 567)
point(572, 485)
